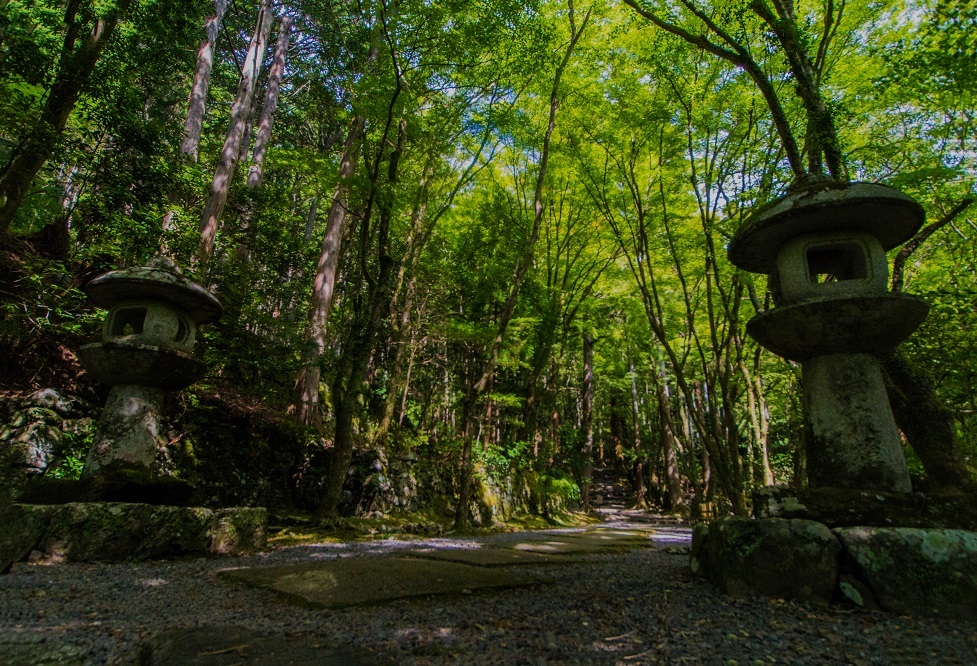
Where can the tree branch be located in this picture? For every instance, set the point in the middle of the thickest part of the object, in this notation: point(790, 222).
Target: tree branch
point(899, 263)
point(738, 56)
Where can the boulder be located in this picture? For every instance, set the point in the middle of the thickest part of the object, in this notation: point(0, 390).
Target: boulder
point(32, 436)
point(788, 559)
point(50, 399)
point(914, 570)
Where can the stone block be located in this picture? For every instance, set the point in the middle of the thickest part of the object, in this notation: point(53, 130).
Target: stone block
point(113, 531)
point(22, 532)
point(238, 530)
point(788, 559)
point(916, 570)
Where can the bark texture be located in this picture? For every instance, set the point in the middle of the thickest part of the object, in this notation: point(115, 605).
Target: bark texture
point(587, 425)
point(925, 421)
point(197, 103)
point(226, 165)
point(263, 134)
point(307, 380)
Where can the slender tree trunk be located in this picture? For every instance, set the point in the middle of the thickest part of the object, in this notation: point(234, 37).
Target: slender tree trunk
point(355, 357)
point(587, 425)
point(640, 501)
point(311, 218)
point(201, 82)
point(307, 380)
point(918, 410)
point(465, 482)
point(226, 165)
point(673, 477)
point(271, 103)
point(757, 407)
point(74, 69)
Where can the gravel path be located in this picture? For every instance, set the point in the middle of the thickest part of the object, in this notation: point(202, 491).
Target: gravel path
point(637, 607)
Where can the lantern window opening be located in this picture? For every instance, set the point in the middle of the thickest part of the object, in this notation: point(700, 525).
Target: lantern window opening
point(839, 262)
point(182, 331)
point(128, 321)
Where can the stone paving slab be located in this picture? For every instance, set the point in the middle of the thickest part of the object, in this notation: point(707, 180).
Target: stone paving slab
point(237, 646)
point(486, 556)
point(588, 542)
point(375, 580)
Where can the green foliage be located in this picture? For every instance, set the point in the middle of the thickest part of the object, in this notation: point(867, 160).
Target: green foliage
point(659, 152)
point(72, 452)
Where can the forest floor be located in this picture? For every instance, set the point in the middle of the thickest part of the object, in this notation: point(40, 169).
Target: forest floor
point(633, 604)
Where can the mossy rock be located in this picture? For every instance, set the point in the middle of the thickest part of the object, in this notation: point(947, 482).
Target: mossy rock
point(911, 570)
point(99, 532)
point(787, 559)
point(238, 530)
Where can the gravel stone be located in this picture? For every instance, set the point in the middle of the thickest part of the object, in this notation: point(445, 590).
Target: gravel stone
point(639, 606)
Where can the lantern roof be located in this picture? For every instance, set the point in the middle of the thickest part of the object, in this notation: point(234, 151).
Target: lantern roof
point(161, 279)
point(824, 207)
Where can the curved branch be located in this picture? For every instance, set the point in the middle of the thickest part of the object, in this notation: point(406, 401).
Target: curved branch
point(899, 263)
point(738, 56)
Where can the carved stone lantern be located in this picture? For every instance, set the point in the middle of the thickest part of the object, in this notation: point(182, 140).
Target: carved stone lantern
point(146, 350)
point(823, 248)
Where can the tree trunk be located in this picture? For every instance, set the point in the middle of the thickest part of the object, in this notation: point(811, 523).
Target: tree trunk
point(201, 82)
point(465, 482)
point(74, 69)
point(271, 103)
point(524, 263)
point(925, 421)
point(311, 218)
point(307, 381)
point(673, 477)
point(356, 354)
point(226, 165)
point(640, 501)
point(587, 425)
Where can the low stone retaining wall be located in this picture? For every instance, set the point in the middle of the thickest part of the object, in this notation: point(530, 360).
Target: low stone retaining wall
point(113, 531)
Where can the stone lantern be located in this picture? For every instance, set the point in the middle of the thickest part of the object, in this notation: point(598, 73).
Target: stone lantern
point(823, 248)
point(858, 532)
point(146, 350)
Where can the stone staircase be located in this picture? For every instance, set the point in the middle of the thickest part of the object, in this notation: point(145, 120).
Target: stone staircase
point(612, 498)
point(609, 491)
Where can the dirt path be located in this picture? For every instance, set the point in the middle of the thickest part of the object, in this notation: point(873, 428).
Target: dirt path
point(640, 605)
